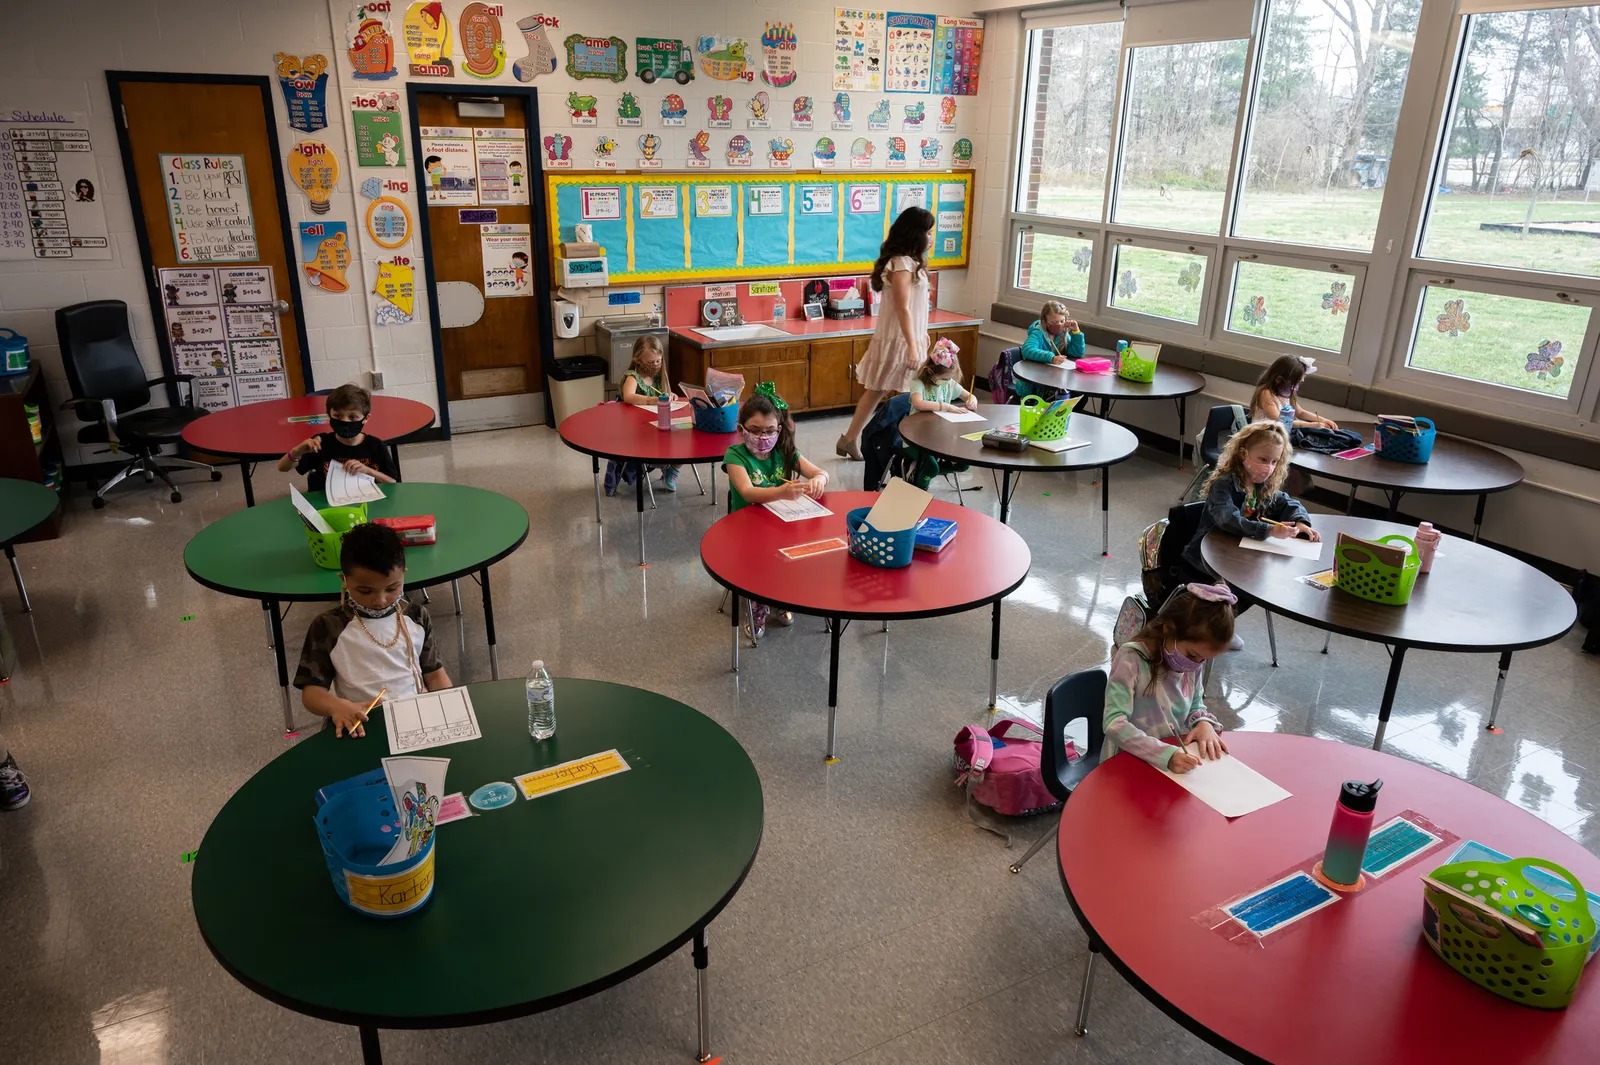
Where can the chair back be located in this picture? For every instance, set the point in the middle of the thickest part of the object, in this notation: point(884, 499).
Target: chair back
point(99, 357)
point(880, 440)
point(1003, 376)
point(1221, 423)
point(1081, 694)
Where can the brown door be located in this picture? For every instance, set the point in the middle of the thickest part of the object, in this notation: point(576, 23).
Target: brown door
point(497, 355)
point(229, 119)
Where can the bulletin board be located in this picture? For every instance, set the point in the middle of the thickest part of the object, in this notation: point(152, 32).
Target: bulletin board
point(684, 227)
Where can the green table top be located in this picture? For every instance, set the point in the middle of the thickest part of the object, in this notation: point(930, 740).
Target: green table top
point(24, 506)
point(536, 904)
point(261, 552)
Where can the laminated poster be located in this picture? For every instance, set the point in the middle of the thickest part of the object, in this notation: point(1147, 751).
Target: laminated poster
point(50, 204)
point(858, 40)
point(957, 55)
point(246, 284)
point(427, 36)
point(502, 165)
point(202, 360)
point(450, 165)
point(481, 40)
point(213, 393)
point(188, 288)
point(370, 43)
point(208, 201)
point(194, 325)
point(910, 53)
point(780, 52)
point(388, 222)
point(257, 388)
point(713, 201)
point(305, 90)
point(396, 286)
point(256, 356)
point(380, 140)
point(325, 254)
point(507, 260)
point(245, 320)
point(658, 201)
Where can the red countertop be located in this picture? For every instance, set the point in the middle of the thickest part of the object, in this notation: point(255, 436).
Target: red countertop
point(803, 329)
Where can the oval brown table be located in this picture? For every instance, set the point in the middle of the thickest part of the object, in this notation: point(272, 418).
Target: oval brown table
point(1475, 600)
point(1108, 444)
point(1170, 382)
point(1457, 467)
point(624, 432)
point(983, 564)
point(1353, 982)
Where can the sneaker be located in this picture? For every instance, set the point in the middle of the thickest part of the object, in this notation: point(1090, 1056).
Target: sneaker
point(613, 475)
point(13, 786)
point(755, 622)
point(1236, 644)
point(781, 618)
point(669, 479)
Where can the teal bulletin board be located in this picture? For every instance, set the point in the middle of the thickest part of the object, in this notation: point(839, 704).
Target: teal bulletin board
point(682, 227)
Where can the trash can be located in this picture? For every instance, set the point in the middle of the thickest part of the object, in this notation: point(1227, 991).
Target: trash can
point(576, 383)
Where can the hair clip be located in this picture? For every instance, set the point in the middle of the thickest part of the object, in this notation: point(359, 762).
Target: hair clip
point(1309, 363)
point(1212, 593)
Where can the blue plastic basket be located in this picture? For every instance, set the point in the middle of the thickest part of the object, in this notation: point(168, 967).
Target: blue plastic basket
point(357, 828)
point(709, 419)
point(1397, 445)
point(889, 550)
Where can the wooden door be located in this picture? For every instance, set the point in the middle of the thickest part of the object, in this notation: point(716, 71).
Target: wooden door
point(201, 115)
point(498, 355)
point(830, 372)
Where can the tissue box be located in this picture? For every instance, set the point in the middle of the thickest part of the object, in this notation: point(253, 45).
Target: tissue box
point(417, 531)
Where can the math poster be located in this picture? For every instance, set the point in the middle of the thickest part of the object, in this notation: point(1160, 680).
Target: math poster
point(50, 203)
point(208, 201)
point(502, 165)
point(910, 53)
point(957, 55)
point(449, 165)
point(507, 260)
point(858, 42)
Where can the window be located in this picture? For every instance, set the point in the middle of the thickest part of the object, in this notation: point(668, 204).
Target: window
point(1167, 284)
point(1525, 343)
point(1054, 265)
point(1310, 308)
point(1327, 101)
point(1177, 135)
point(1072, 80)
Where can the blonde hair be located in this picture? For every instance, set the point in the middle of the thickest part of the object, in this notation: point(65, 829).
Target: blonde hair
point(648, 342)
point(1231, 462)
point(1053, 307)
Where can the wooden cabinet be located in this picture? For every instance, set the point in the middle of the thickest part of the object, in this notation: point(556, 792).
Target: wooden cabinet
point(832, 372)
point(858, 349)
point(965, 337)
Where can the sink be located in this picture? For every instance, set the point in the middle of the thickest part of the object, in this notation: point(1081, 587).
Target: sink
point(744, 332)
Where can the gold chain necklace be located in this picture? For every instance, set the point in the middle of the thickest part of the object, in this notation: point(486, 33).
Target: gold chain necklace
point(399, 628)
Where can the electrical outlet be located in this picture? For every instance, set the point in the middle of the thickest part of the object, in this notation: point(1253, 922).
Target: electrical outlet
point(374, 380)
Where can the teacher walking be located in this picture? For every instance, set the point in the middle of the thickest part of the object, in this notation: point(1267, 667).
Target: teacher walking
point(899, 344)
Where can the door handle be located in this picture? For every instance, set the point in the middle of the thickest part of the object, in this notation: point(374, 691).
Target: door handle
point(282, 306)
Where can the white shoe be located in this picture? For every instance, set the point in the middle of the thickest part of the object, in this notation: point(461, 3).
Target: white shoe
point(1236, 644)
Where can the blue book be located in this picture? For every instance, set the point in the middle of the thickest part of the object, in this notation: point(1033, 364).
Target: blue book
point(361, 780)
point(934, 533)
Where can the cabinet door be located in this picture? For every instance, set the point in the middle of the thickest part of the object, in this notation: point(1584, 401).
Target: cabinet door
point(791, 379)
point(831, 376)
point(726, 358)
point(857, 350)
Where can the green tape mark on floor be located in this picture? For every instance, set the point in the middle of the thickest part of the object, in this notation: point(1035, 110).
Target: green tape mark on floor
point(188, 856)
point(1044, 493)
point(187, 617)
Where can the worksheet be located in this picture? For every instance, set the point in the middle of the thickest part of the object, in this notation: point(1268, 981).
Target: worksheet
point(1227, 785)
point(431, 719)
point(1293, 546)
point(960, 416)
point(802, 509)
point(346, 489)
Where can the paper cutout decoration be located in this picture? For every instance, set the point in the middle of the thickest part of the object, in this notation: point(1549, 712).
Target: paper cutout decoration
point(314, 169)
point(1455, 320)
point(1127, 285)
point(915, 115)
point(604, 146)
point(325, 254)
point(962, 152)
point(698, 145)
point(897, 150)
point(663, 57)
point(1547, 361)
point(861, 151)
point(371, 45)
point(725, 58)
point(841, 107)
point(759, 105)
point(427, 36)
point(396, 285)
point(878, 118)
point(378, 135)
point(1254, 311)
point(584, 109)
point(721, 108)
point(1189, 277)
point(557, 150)
point(481, 43)
point(1336, 300)
point(802, 113)
point(597, 57)
point(947, 114)
point(649, 145)
point(825, 150)
point(930, 148)
point(1082, 258)
point(541, 57)
point(780, 55)
point(628, 112)
point(739, 150)
point(305, 90)
point(779, 150)
point(388, 222)
point(673, 109)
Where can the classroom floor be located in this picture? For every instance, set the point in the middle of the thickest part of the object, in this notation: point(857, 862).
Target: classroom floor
point(878, 925)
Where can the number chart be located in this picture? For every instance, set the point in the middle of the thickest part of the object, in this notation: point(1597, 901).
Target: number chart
point(208, 198)
point(50, 206)
point(697, 226)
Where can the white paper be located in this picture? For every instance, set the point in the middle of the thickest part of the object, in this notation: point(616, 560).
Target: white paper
point(308, 512)
point(961, 416)
point(208, 199)
point(1227, 785)
point(1066, 443)
point(430, 719)
point(346, 489)
point(800, 509)
point(1292, 546)
point(424, 777)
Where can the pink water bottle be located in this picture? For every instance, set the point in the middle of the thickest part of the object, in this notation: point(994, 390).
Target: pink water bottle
point(1427, 543)
point(664, 411)
point(1347, 836)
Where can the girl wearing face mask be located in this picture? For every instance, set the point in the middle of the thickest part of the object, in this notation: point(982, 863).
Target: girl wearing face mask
point(764, 467)
point(1054, 338)
point(643, 385)
point(1154, 691)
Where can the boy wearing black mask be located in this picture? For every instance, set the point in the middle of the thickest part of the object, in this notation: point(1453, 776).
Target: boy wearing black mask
point(348, 408)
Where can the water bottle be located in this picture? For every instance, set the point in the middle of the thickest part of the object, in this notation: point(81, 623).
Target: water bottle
point(1116, 359)
point(664, 411)
point(1347, 836)
point(541, 702)
point(1427, 543)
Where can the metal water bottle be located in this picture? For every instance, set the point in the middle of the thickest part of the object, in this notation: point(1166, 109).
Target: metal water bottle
point(1347, 836)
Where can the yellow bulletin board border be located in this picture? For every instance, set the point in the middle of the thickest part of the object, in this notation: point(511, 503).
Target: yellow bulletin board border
point(620, 260)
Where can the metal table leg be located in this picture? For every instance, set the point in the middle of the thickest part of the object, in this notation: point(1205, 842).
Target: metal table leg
point(16, 574)
point(394, 456)
point(833, 691)
point(734, 613)
point(1105, 511)
point(702, 997)
point(283, 666)
point(488, 623)
point(1005, 497)
point(1477, 518)
point(1272, 639)
point(455, 592)
point(694, 468)
point(1394, 504)
point(596, 461)
point(1350, 504)
point(1389, 686)
point(713, 484)
point(994, 659)
point(1082, 1027)
point(370, 1052)
point(1499, 689)
point(638, 492)
point(1183, 429)
point(271, 643)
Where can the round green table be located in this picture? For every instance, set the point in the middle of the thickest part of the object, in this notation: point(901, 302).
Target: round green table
point(24, 506)
point(261, 553)
point(535, 905)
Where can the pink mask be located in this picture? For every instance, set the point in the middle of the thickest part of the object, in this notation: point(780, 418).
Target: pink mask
point(760, 443)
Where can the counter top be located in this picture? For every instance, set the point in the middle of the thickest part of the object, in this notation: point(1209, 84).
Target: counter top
point(801, 329)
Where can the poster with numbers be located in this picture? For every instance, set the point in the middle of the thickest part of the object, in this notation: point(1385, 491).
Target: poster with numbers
point(858, 38)
point(50, 188)
point(208, 202)
point(223, 324)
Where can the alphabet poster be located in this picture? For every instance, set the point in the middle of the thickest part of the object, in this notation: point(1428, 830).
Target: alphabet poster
point(502, 165)
point(507, 260)
point(910, 53)
point(208, 200)
point(49, 187)
point(450, 165)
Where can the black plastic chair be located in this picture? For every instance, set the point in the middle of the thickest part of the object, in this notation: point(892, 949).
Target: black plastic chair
point(111, 393)
point(1081, 694)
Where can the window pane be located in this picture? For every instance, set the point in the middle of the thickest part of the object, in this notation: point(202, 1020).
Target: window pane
point(1069, 140)
point(1183, 100)
point(1055, 265)
point(1165, 283)
point(1520, 150)
point(1502, 340)
point(1309, 307)
point(1325, 110)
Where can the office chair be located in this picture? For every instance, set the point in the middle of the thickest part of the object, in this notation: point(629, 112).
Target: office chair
point(110, 392)
point(1081, 694)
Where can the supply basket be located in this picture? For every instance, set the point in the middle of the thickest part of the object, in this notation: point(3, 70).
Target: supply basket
point(709, 419)
point(1035, 425)
point(325, 546)
point(13, 353)
point(890, 550)
point(1535, 961)
point(1358, 571)
point(357, 828)
point(1136, 367)
point(1397, 445)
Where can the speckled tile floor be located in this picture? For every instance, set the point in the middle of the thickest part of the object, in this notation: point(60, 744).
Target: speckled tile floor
point(877, 927)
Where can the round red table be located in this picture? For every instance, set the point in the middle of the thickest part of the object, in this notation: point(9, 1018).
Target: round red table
point(985, 562)
point(259, 431)
point(1141, 858)
point(623, 432)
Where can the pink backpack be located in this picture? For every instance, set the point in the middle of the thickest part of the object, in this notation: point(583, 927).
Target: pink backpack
point(1002, 763)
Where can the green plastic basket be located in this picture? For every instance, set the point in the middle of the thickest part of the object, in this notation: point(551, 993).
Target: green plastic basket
point(1033, 424)
point(1358, 572)
point(1135, 367)
point(325, 546)
point(1496, 955)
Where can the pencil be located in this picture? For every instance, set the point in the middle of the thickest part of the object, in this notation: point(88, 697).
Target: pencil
point(376, 699)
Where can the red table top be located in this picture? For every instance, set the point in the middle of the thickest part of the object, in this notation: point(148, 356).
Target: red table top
point(1352, 984)
point(986, 561)
point(624, 431)
point(263, 430)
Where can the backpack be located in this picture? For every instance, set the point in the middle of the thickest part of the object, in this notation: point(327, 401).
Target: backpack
point(1000, 766)
point(1002, 377)
point(1326, 441)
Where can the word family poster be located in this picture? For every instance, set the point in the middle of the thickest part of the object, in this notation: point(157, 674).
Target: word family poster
point(208, 200)
point(49, 187)
point(858, 38)
point(222, 323)
point(957, 55)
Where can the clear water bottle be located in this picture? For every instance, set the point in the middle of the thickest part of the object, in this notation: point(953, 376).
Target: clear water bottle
point(541, 702)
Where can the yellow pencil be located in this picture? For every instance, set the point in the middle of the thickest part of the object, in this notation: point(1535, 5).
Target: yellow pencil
point(376, 699)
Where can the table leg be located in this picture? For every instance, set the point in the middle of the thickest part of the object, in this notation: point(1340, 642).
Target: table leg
point(1389, 686)
point(1183, 429)
point(488, 623)
point(1394, 504)
point(1350, 504)
point(598, 520)
point(1005, 497)
point(455, 592)
point(1105, 511)
point(371, 1054)
point(1272, 638)
point(249, 490)
point(994, 658)
point(638, 492)
point(276, 621)
point(694, 468)
point(733, 598)
point(713, 484)
point(1499, 689)
point(833, 691)
point(16, 574)
point(1105, 408)
point(1082, 1027)
point(702, 998)
point(271, 643)
point(1477, 518)
point(394, 456)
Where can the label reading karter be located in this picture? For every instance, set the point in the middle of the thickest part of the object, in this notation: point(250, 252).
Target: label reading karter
point(543, 782)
